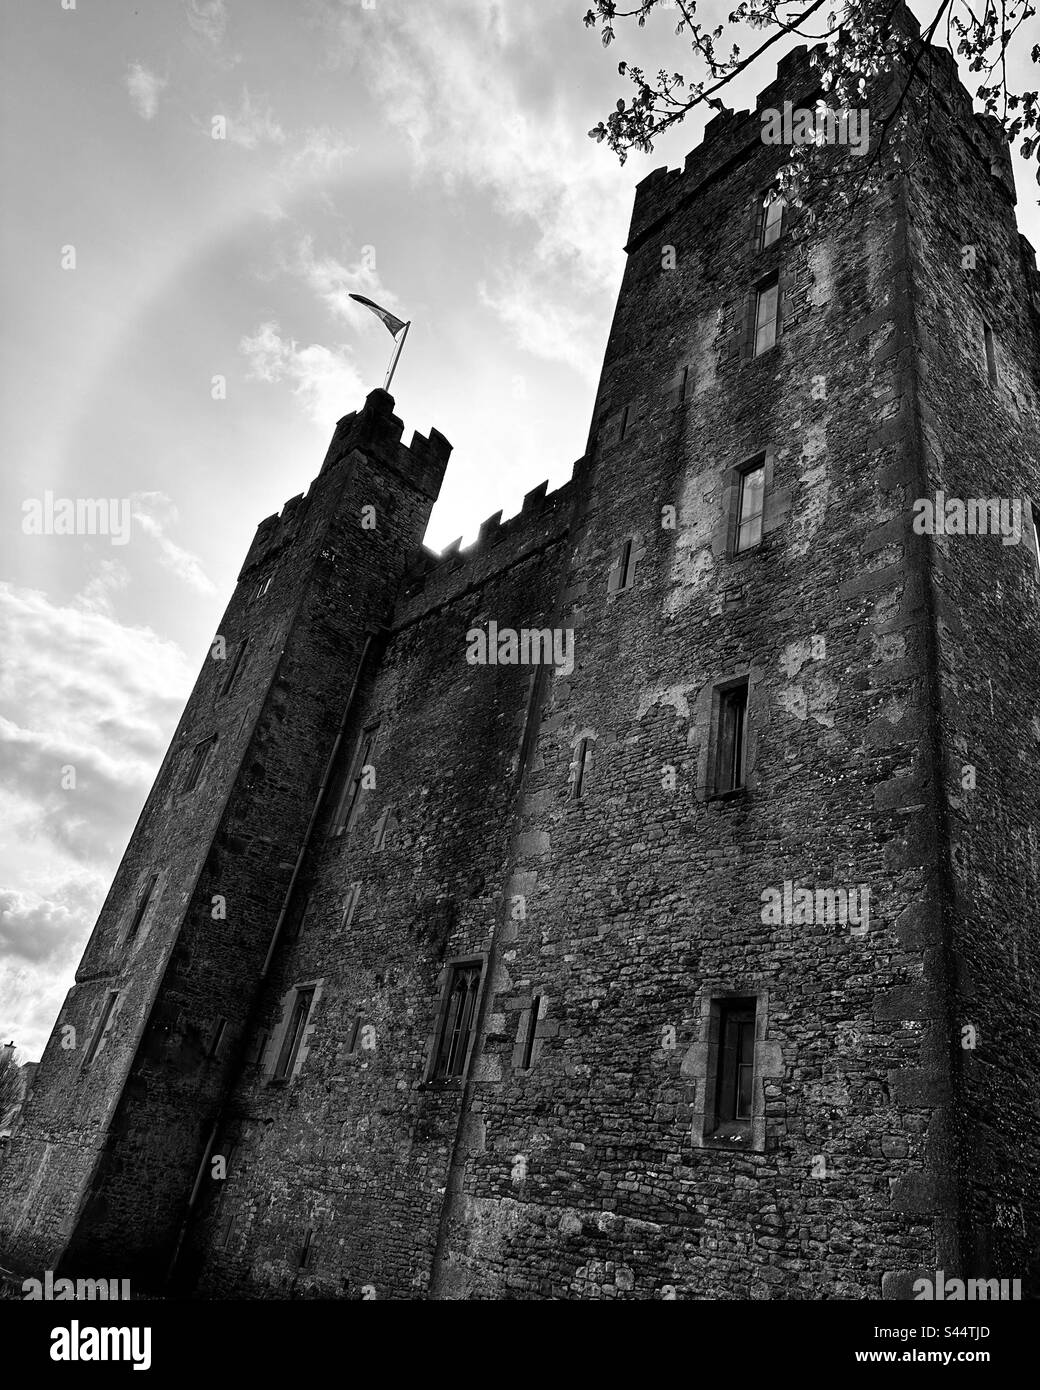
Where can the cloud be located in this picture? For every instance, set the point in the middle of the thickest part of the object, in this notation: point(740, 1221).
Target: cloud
point(36, 929)
point(475, 111)
point(153, 512)
point(321, 152)
point(208, 19)
point(324, 380)
point(80, 690)
point(250, 126)
point(144, 87)
point(333, 282)
point(550, 329)
point(30, 997)
point(97, 595)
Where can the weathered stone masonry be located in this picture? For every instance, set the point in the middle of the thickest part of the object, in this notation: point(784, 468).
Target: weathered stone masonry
point(578, 1153)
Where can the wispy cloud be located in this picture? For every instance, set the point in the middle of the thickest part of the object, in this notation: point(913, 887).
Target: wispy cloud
point(554, 330)
point(319, 151)
point(144, 87)
point(252, 125)
point(153, 513)
point(324, 380)
point(333, 281)
point(208, 19)
point(468, 65)
point(112, 576)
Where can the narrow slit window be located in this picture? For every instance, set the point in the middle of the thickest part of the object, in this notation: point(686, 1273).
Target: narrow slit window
point(350, 904)
point(684, 383)
point(263, 587)
point(456, 1033)
point(355, 783)
point(580, 766)
point(623, 571)
point(732, 736)
point(532, 1029)
point(772, 219)
point(141, 909)
point(736, 1061)
point(217, 1038)
point(624, 425)
point(991, 353)
point(233, 669)
point(305, 1249)
point(294, 1034)
point(627, 567)
point(379, 838)
point(750, 505)
point(766, 302)
point(1035, 518)
point(354, 1034)
point(102, 1028)
point(197, 763)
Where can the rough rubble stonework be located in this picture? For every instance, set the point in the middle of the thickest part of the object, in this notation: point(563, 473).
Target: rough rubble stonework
point(880, 665)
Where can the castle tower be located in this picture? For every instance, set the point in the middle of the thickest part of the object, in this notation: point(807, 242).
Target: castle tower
point(686, 953)
point(151, 1034)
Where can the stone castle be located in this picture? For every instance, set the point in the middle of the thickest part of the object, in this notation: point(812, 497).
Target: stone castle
point(706, 968)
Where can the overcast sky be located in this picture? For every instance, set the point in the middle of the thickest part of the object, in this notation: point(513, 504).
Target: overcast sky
point(432, 156)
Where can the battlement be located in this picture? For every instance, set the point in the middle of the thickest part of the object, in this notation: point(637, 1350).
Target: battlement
point(432, 577)
point(731, 137)
point(377, 431)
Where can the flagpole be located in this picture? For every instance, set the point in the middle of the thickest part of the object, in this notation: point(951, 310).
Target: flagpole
point(397, 354)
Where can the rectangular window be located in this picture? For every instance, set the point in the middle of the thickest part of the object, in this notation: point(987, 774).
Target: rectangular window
point(581, 762)
point(261, 1048)
point(732, 732)
point(772, 219)
point(379, 838)
point(627, 567)
point(750, 505)
point(991, 354)
point(458, 1021)
point(766, 301)
point(294, 1034)
point(350, 903)
point(532, 1029)
point(196, 763)
point(141, 909)
point(355, 783)
point(623, 571)
point(233, 669)
point(102, 1028)
point(736, 1061)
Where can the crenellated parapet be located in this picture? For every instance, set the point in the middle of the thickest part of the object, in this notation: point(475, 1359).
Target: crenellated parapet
point(376, 431)
point(435, 578)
